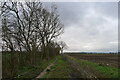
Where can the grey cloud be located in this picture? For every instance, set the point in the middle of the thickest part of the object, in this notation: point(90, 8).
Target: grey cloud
point(91, 26)
point(71, 12)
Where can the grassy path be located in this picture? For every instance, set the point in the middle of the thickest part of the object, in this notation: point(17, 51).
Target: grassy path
point(69, 67)
point(59, 70)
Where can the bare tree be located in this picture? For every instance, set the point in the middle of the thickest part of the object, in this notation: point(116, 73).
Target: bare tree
point(32, 28)
point(32, 25)
point(49, 28)
point(23, 23)
point(7, 35)
point(63, 45)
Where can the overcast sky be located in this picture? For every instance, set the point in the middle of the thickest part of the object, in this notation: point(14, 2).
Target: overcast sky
point(89, 26)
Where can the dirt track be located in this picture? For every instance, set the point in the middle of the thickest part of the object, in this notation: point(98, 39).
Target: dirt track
point(45, 71)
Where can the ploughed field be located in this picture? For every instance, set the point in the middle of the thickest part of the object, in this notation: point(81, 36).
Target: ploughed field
point(101, 59)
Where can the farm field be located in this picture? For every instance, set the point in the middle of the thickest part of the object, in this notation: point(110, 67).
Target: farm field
point(104, 59)
point(68, 66)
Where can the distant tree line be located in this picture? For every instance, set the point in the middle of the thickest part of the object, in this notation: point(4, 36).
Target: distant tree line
point(30, 28)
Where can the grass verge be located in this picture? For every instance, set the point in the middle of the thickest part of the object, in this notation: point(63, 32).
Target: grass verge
point(32, 72)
